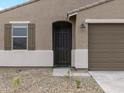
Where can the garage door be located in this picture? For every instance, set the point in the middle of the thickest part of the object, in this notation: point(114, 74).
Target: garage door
point(106, 46)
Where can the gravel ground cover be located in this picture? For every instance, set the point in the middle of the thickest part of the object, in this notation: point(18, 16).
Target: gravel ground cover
point(40, 80)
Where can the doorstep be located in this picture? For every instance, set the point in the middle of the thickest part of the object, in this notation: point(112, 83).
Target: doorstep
point(65, 71)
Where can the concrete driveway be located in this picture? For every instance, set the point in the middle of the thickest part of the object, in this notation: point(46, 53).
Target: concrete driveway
point(110, 81)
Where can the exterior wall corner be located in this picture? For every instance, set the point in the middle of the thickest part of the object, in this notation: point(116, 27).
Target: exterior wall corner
point(80, 58)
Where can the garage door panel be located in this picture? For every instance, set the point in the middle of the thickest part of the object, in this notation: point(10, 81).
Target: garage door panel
point(109, 33)
point(102, 27)
point(106, 66)
point(107, 38)
point(106, 60)
point(106, 46)
point(111, 50)
point(107, 69)
point(106, 55)
point(106, 42)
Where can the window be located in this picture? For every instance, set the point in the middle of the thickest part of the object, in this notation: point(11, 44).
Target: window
point(19, 36)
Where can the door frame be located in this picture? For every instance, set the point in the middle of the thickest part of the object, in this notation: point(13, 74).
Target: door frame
point(53, 44)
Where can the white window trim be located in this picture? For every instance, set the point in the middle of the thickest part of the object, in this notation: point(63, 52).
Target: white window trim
point(104, 21)
point(19, 22)
point(26, 26)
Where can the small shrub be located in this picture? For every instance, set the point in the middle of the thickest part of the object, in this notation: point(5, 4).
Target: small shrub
point(16, 81)
point(78, 83)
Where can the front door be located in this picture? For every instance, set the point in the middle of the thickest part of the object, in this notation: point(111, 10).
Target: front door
point(62, 43)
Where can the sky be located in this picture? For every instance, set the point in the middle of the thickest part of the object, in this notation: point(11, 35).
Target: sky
point(8, 3)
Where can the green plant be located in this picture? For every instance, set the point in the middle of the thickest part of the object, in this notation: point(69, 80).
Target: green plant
point(16, 81)
point(78, 83)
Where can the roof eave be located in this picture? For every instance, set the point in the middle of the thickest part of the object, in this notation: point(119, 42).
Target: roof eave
point(75, 11)
point(19, 5)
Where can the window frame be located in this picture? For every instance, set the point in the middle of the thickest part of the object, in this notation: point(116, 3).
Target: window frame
point(12, 36)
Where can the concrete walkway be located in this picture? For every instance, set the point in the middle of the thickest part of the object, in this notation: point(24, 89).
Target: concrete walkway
point(110, 81)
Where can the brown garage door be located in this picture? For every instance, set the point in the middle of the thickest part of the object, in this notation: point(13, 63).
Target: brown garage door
point(106, 46)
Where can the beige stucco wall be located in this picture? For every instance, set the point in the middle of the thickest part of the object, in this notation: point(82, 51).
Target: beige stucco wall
point(110, 10)
point(43, 13)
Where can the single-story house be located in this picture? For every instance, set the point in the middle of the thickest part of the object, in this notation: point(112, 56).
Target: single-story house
point(86, 34)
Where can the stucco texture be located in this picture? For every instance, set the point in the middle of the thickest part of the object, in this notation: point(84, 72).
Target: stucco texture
point(109, 10)
point(43, 13)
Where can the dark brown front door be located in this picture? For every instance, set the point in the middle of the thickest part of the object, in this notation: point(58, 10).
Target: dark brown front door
point(62, 43)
